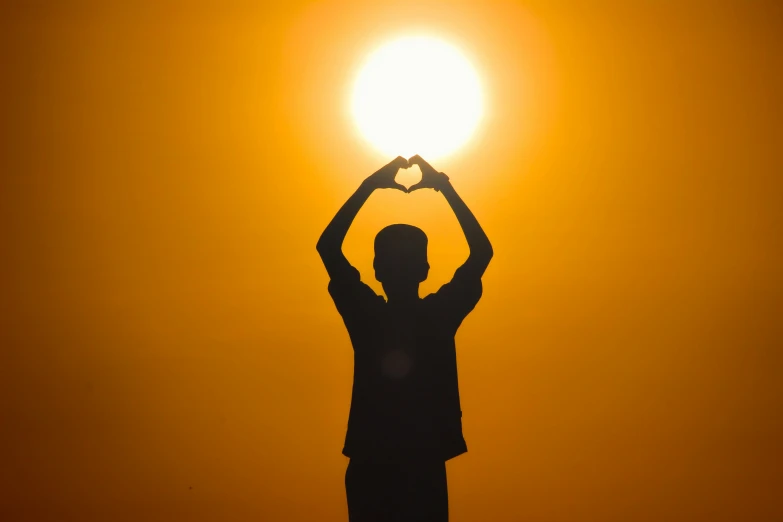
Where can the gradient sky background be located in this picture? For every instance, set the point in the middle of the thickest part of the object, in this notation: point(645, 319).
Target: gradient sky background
point(169, 349)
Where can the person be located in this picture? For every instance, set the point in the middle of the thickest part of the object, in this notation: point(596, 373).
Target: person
point(405, 419)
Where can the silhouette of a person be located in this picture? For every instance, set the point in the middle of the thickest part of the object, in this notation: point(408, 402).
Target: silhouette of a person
point(405, 419)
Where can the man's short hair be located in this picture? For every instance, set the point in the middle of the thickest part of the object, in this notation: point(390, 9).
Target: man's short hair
point(401, 241)
point(402, 250)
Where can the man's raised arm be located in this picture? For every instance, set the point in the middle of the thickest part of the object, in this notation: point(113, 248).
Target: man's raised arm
point(331, 241)
point(478, 242)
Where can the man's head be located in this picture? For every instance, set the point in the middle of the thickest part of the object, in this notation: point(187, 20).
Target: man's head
point(401, 255)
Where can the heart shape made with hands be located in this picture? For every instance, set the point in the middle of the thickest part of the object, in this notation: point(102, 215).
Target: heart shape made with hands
point(408, 176)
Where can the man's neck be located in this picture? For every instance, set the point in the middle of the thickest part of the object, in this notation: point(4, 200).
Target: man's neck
point(402, 294)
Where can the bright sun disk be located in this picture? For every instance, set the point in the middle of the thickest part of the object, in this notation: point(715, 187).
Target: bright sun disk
point(417, 95)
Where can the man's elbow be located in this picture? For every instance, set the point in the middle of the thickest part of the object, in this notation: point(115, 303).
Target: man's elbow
point(487, 259)
point(326, 251)
point(323, 253)
point(487, 252)
point(322, 246)
point(479, 258)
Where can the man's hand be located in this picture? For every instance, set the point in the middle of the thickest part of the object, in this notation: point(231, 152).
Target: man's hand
point(384, 177)
point(430, 178)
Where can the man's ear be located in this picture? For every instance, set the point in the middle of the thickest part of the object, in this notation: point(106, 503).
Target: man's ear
point(425, 271)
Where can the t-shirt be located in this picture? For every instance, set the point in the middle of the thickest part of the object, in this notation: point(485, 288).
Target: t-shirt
point(405, 397)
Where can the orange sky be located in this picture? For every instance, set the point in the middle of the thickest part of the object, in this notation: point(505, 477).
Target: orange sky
point(169, 350)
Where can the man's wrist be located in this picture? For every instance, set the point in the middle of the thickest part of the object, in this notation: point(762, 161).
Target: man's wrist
point(443, 182)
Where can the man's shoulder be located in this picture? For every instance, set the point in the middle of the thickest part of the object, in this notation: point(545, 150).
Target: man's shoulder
point(353, 296)
point(429, 297)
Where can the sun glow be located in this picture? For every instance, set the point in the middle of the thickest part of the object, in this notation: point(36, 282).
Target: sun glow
point(417, 95)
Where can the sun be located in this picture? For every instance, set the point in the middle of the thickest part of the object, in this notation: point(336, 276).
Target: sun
point(417, 95)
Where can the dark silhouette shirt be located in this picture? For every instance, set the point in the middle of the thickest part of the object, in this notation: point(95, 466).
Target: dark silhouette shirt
point(405, 396)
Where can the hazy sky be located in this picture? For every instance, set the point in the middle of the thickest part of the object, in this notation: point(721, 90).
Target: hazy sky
point(168, 347)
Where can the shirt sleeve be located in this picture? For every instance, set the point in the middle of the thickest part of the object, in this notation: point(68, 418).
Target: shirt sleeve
point(351, 296)
point(457, 298)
